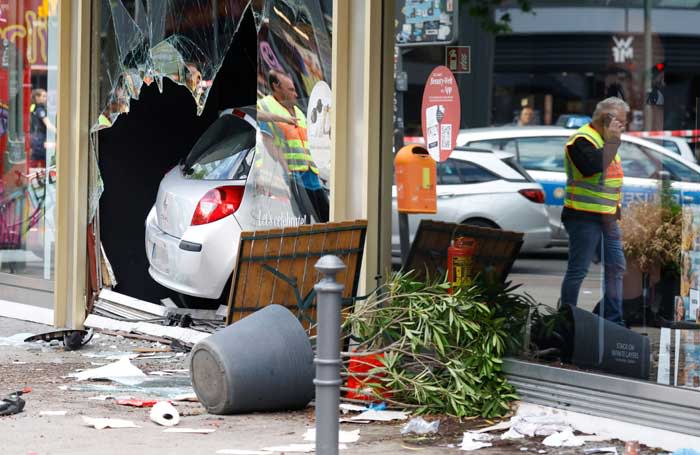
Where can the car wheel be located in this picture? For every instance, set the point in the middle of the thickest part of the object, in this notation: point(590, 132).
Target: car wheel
point(481, 222)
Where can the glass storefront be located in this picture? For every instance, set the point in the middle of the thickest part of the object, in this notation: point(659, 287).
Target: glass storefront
point(28, 97)
point(610, 222)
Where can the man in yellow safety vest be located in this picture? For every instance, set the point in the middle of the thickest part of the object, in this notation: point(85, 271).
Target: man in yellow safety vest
point(281, 119)
point(592, 205)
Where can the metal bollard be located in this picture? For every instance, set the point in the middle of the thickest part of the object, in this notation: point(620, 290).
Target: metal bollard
point(328, 294)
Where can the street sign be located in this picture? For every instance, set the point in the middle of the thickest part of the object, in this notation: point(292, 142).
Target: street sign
point(459, 59)
point(440, 113)
point(426, 22)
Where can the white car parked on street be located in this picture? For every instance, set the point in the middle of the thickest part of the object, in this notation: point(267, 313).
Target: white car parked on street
point(483, 188)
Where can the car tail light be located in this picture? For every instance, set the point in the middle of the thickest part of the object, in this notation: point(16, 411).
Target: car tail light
point(217, 203)
point(536, 196)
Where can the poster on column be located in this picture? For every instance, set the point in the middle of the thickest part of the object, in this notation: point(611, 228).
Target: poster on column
point(440, 113)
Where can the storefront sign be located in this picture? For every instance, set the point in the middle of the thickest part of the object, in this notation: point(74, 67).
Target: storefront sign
point(440, 113)
point(622, 49)
point(422, 22)
point(459, 59)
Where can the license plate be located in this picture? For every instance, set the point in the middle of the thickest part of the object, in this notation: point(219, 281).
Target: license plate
point(159, 256)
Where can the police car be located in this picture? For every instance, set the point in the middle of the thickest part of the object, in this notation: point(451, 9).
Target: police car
point(540, 150)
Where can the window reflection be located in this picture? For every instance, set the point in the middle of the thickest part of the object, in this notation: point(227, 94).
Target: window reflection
point(28, 139)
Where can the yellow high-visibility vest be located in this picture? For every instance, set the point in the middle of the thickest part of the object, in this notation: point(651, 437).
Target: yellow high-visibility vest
point(292, 139)
point(598, 193)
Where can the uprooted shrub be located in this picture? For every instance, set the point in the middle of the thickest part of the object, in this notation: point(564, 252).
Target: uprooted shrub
point(439, 352)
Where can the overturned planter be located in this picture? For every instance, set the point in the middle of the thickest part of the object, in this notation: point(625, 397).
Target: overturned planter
point(263, 362)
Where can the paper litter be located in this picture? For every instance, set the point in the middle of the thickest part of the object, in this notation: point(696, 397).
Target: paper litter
point(121, 371)
point(564, 438)
point(380, 416)
point(343, 436)
point(101, 424)
point(53, 413)
point(474, 441)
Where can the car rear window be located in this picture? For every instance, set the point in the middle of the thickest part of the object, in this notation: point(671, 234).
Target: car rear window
point(513, 164)
point(455, 172)
point(542, 153)
point(221, 152)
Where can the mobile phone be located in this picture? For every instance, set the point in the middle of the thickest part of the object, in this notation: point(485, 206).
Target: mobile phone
point(608, 118)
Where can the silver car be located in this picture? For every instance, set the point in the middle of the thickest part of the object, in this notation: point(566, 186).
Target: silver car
point(484, 188)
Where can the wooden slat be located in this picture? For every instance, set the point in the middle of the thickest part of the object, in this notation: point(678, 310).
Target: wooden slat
point(254, 287)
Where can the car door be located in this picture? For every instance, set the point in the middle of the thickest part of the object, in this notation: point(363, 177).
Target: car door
point(685, 180)
point(543, 158)
point(641, 173)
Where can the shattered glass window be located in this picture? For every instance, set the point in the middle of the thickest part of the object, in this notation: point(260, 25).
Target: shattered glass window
point(144, 41)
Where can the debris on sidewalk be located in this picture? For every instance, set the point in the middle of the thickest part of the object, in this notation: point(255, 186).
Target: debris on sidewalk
point(601, 450)
point(380, 416)
point(102, 423)
point(53, 413)
point(522, 426)
point(136, 403)
point(13, 404)
point(121, 371)
point(474, 441)
point(184, 335)
point(72, 339)
point(564, 438)
point(347, 407)
point(343, 436)
point(190, 430)
point(418, 425)
point(164, 413)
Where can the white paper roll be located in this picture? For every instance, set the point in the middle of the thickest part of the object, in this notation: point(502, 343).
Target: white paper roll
point(164, 413)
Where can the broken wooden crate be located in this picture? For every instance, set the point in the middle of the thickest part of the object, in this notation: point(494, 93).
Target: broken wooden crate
point(495, 253)
point(277, 267)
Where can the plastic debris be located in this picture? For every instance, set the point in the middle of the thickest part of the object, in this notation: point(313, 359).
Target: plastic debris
point(53, 413)
point(73, 339)
point(343, 436)
point(418, 425)
point(190, 430)
point(564, 438)
point(121, 371)
point(164, 413)
point(380, 416)
point(13, 404)
point(346, 407)
point(136, 403)
point(100, 423)
point(594, 450)
point(474, 441)
point(522, 426)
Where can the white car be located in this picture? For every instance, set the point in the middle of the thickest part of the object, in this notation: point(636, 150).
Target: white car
point(223, 187)
point(540, 150)
point(483, 188)
point(677, 145)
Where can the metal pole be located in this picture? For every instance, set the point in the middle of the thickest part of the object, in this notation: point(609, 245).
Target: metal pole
point(329, 293)
point(648, 112)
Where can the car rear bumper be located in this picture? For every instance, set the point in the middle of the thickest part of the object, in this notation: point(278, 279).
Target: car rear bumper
point(198, 264)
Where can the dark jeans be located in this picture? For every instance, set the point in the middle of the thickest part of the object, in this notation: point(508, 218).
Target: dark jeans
point(584, 237)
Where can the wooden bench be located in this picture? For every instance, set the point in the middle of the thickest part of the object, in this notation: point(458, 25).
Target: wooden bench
point(496, 250)
point(276, 266)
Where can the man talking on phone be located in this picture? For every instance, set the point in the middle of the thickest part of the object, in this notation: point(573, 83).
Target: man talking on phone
point(592, 205)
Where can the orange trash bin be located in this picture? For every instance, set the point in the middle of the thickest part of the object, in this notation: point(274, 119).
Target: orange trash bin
point(416, 176)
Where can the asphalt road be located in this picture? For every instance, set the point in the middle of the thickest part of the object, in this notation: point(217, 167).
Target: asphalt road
point(541, 275)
